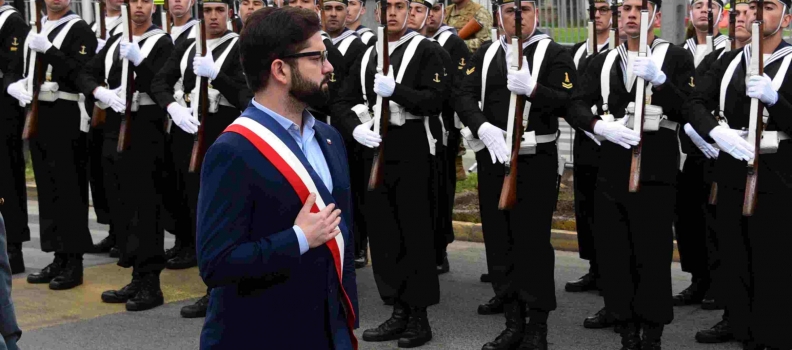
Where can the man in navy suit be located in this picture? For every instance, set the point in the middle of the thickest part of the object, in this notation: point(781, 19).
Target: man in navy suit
point(274, 206)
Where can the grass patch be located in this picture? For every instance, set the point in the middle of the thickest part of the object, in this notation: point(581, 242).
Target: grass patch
point(468, 184)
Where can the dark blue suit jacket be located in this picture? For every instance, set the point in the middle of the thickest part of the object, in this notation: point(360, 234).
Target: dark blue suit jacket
point(265, 295)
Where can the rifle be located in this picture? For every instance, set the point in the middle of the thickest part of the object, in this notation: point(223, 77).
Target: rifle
point(127, 80)
point(34, 82)
point(640, 104)
point(381, 115)
point(755, 125)
point(200, 113)
point(322, 13)
point(494, 29)
point(592, 27)
point(614, 31)
point(730, 45)
point(99, 115)
point(710, 45)
point(516, 107)
point(234, 16)
point(166, 18)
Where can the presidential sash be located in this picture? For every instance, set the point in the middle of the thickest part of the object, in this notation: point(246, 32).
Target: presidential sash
point(287, 163)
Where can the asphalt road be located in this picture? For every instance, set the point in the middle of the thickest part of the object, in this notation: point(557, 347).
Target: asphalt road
point(77, 320)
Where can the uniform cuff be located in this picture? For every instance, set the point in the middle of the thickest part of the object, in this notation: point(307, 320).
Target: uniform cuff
point(301, 239)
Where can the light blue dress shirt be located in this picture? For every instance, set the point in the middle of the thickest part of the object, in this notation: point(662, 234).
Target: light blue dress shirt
point(311, 150)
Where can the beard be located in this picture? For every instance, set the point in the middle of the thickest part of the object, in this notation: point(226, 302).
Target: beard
point(308, 92)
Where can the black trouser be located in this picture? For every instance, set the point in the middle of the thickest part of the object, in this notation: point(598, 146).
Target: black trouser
point(136, 178)
point(693, 216)
point(359, 170)
point(184, 185)
point(584, 172)
point(96, 177)
point(635, 246)
point(755, 253)
point(399, 220)
point(446, 178)
point(520, 257)
point(12, 171)
point(60, 161)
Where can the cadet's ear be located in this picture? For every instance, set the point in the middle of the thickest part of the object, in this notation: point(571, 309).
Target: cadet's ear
point(786, 20)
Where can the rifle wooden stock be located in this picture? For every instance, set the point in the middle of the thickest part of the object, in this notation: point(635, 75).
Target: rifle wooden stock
point(126, 121)
point(167, 23)
point(199, 146)
point(508, 195)
point(756, 123)
point(383, 65)
point(640, 104)
point(30, 128)
point(713, 197)
point(100, 16)
point(234, 16)
point(470, 29)
point(98, 116)
point(614, 39)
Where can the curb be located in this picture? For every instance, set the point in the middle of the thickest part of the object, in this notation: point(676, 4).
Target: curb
point(560, 239)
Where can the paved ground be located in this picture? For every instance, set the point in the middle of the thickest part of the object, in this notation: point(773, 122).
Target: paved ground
point(77, 319)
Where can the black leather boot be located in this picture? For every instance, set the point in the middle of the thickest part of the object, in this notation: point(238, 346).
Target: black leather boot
point(693, 294)
point(125, 293)
point(361, 259)
point(115, 252)
point(510, 337)
point(418, 331)
point(50, 271)
point(15, 258)
point(485, 278)
point(105, 244)
point(172, 252)
point(583, 284)
point(185, 259)
point(630, 336)
point(651, 336)
point(392, 328)
point(149, 296)
point(493, 307)
point(71, 276)
point(196, 310)
point(720, 333)
point(535, 337)
point(602, 319)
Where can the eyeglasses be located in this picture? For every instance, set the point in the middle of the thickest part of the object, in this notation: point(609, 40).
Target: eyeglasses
point(603, 10)
point(322, 55)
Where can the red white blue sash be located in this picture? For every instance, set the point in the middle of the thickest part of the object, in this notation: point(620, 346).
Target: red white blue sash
point(287, 163)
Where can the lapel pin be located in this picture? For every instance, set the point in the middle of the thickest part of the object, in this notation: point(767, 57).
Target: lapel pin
point(329, 142)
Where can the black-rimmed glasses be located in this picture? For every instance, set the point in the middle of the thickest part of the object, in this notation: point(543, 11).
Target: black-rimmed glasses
point(322, 55)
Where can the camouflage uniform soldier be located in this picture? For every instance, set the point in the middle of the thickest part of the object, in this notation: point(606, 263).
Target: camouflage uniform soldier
point(460, 13)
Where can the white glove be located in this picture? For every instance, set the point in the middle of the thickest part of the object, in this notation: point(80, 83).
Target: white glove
point(365, 136)
point(761, 87)
point(730, 141)
point(645, 68)
point(204, 66)
point(617, 133)
point(40, 43)
point(110, 98)
point(17, 90)
point(131, 51)
point(100, 44)
point(493, 138)
point(519, 81)
point(709, 151)
point(183, 118)
point(384, 85)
